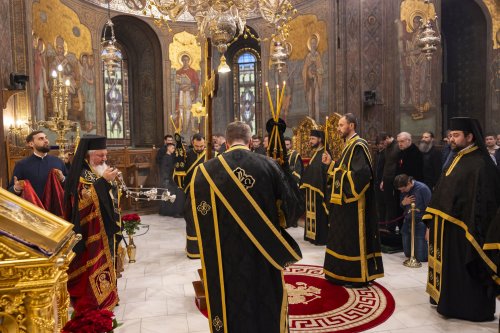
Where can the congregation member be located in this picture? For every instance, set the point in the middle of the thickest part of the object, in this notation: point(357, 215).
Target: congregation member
point(294, 161)
point(45, 174)
point(378, 170)
point(459, 215)
point(413, 191)
point(431, 160)
point(493, 148)
point(411, 161)
point(233, 202)
point(446, 152)
point(161, 152)
point(391, 196)
point(256, 145)
point(167, 166)
point(353, 256)
point(221, 140)
point(314, 188)
point(91, 197)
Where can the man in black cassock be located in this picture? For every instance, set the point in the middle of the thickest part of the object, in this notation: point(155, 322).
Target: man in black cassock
point(353, 255)
point(194, 157)
point(314, 187)
point(237, 200)
point(167, 166)
point(462, 275)
point(294, 161)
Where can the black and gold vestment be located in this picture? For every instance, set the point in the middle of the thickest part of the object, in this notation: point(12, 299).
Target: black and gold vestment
point(314, 188)
point(235, 201)
point(353, 248)
point(463, 240)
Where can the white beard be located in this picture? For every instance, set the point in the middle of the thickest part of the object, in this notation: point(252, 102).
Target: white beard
point(99, 169)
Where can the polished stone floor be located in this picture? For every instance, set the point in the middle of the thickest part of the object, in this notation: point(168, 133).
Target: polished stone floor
point(156, 294)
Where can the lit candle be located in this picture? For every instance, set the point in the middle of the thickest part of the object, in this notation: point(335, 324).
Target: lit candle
point(59, 68)
point(53, 74)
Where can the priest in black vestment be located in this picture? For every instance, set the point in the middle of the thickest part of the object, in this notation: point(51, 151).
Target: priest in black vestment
point(194, 157)
point(314, 187)
point(463, 275)
point(294, 161)
point(236, 201)
point(353, 256)
point(167, 165)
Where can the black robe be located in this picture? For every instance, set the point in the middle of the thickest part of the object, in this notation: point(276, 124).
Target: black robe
point(314, 187)
point(296, 165)
point(168, 208)
point(462, 275)
point(353, 250)
point(193, 159)
point(237, 202)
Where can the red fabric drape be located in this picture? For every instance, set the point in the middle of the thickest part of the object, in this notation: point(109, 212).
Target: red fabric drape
point(53, 195)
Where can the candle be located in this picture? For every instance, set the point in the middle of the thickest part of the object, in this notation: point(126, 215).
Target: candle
point(270, 99)
point(281, 100)
point(326, 134)
point(277, 99)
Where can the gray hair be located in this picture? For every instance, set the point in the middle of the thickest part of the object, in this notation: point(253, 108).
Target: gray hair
point(405, 135)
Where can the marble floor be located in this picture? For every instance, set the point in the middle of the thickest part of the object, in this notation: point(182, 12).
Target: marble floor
point(156, 294)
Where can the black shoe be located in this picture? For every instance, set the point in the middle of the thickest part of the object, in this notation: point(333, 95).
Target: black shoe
point(432, 301)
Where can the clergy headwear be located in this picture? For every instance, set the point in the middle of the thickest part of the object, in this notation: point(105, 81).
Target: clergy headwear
point(318, 134)
point(471, 125)
point(461, 124)
point(87, 142)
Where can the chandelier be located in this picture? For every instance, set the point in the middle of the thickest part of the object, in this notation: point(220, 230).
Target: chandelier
point(111, 56)
point(223, 20)
point(429, 39)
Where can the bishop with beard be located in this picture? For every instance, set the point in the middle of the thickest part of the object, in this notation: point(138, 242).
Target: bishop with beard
point(91, 198)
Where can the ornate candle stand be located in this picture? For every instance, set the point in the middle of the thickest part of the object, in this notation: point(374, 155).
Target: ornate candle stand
point(60, 123)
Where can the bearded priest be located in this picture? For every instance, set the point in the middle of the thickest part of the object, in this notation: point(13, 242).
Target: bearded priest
point(91, 198)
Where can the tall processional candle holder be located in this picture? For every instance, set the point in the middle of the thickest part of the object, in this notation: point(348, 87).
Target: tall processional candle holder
point(59, 122)
point(412, 261)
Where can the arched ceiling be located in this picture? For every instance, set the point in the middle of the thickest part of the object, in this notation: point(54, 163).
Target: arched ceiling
point(136, 7)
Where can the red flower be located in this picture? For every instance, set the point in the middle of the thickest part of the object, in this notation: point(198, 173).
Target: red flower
point(131, 217)
point(90, 321)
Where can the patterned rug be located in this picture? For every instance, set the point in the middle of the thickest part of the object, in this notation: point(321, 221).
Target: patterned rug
point(318, 306)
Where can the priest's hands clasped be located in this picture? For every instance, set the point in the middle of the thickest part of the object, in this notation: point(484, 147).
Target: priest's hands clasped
point(110, 174)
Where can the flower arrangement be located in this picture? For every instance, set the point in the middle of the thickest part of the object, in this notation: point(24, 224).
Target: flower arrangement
point(131, 223)
point(91, 321)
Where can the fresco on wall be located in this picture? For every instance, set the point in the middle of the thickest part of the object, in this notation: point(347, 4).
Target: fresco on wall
point(306, 71)
point(60, 39)
point(417, 84)
point(185, 56)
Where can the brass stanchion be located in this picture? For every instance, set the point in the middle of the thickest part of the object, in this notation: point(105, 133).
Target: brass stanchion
point(412, 262)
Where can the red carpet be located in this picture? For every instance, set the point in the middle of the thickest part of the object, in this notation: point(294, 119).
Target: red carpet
point(316, 305)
